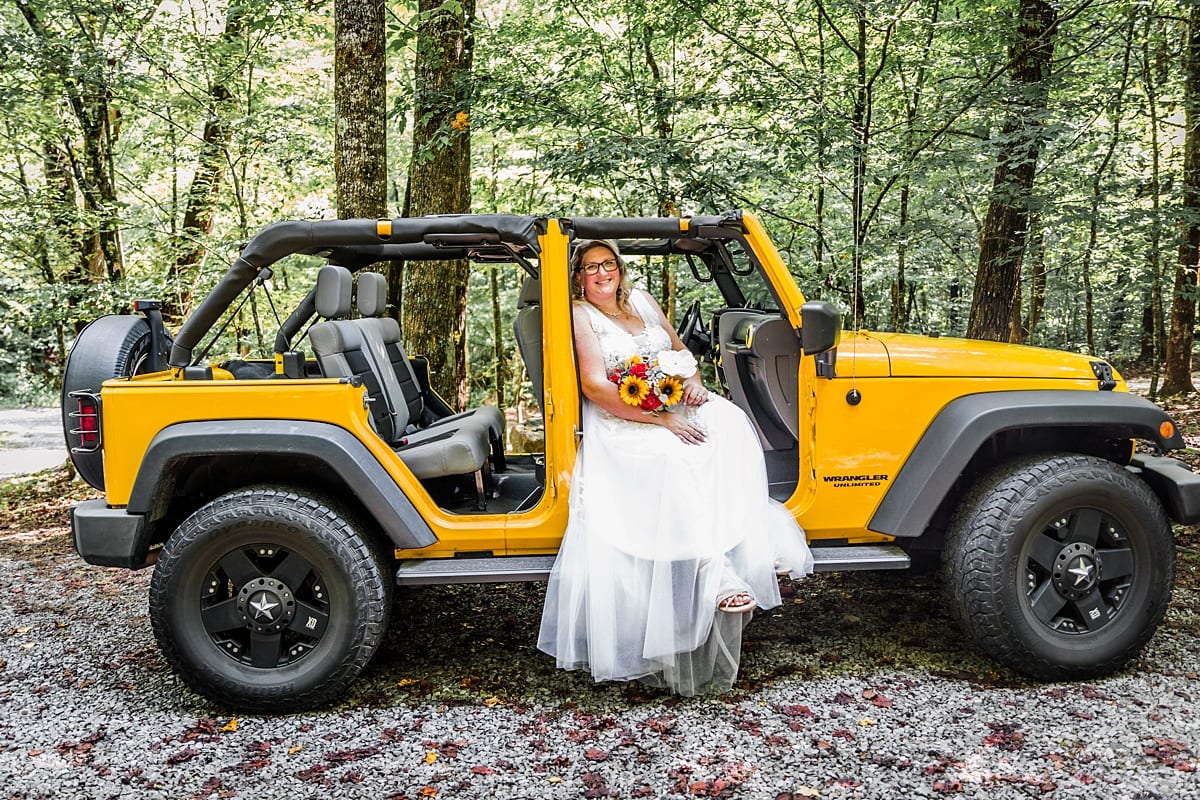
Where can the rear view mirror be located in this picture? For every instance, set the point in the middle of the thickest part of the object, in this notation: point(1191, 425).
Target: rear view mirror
point(821, 327)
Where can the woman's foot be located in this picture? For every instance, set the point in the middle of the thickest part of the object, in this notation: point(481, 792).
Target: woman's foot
point(737, 603)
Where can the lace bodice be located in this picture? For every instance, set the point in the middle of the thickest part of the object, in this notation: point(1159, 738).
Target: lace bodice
point(618, 344)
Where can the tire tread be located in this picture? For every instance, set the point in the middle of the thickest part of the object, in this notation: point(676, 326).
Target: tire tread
point(372, 592)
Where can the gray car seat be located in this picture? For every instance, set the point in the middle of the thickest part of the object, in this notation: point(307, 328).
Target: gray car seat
point(486, 420)
point(348, 348)
point(527, 329)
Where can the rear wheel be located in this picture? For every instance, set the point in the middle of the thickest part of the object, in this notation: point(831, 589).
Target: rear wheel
point(269, 600)
point(1060, 566)
point(113, 346)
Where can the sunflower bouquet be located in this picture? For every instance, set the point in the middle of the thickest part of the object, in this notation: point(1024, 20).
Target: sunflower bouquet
point(654, 385)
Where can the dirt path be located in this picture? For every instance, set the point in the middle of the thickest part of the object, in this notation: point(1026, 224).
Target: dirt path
point(31, 439)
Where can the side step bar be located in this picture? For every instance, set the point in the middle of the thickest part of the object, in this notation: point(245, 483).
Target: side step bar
point(505, 569)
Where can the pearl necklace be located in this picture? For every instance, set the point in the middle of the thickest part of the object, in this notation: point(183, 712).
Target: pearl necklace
point(620, 312)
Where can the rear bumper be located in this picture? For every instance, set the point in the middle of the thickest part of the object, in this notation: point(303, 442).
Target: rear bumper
point(1175, 484)
point(109, 537)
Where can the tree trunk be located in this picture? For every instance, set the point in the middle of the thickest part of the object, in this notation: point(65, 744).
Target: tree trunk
point(860, 126)
point(1178, 376)
point(82, 239)
point(1037, 278)
point(88, 96)
point(205, 190)
point(822, 147)
point(499, 351)
point(360, 106)
point(435, 295)
point(1002, 242)
point(664, 129)
point(95, 117)
point(900, 287)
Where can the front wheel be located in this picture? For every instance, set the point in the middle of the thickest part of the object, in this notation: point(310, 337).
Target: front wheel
point(268, 599)
point(1060, 566)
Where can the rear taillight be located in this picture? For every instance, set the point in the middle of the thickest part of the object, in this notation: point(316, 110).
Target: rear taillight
point(87, 421)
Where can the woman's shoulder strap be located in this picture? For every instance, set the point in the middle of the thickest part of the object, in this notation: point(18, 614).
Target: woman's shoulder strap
point(594, 317)
point(642, 303)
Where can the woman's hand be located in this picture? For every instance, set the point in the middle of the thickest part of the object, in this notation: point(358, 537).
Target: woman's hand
point(694, 393)
point(679, 424)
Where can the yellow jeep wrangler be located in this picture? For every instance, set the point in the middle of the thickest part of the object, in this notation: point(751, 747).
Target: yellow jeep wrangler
point(281, 499)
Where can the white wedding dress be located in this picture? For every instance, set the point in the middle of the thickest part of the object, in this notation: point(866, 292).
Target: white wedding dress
point(658, 531)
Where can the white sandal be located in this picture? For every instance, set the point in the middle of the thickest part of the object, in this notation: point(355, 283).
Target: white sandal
point(725, 603)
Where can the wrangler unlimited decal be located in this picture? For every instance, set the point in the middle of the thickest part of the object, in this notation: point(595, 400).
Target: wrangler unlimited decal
point(846, 481)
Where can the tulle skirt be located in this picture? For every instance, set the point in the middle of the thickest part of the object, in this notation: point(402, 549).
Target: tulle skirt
point(660, 530)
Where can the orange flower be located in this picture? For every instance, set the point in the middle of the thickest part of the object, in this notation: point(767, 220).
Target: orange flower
point(461, 121)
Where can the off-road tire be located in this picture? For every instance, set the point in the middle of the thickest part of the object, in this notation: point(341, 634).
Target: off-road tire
point(1008, 543)
point(347, 576)
point(113, 346)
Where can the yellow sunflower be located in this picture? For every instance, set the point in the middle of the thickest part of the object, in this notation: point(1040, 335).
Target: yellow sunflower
point(634, 390)
point(670, 389)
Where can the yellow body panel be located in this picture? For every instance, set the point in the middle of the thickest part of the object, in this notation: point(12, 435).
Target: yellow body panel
point(849, 454)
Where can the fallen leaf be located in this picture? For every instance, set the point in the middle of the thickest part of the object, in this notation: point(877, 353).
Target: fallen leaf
point(406, 681)
point(554, 779)
point(294, 749)
point(865, 722)
point(186, 754)
point(594, 754)
point(796, 711)
point(430, 757)
point(428, 791)
point(482, 770)
point(493, 701)
point(231, 726)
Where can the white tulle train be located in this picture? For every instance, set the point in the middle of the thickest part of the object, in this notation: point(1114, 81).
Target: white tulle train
point(660, 530)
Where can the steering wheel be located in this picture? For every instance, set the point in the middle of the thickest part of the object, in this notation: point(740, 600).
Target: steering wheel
point(691, 331)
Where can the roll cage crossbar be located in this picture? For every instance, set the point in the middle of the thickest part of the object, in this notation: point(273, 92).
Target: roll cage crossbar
point(355, 243)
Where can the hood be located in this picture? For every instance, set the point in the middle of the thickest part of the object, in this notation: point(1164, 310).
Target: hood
point(944, 357)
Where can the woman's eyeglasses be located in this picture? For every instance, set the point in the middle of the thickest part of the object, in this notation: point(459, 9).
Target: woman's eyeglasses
point(608, 265)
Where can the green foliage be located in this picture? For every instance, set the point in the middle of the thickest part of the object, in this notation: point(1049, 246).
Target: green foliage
point(789, 108)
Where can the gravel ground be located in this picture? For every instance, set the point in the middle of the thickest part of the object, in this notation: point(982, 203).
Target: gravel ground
point(859, 687)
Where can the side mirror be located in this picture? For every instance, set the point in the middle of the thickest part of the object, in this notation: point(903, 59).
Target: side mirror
point(821, 327)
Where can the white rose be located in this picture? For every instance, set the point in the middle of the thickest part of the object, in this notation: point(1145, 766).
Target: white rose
point(680, 363)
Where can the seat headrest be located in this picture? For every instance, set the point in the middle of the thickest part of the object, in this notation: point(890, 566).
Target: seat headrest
point(531, 293)
point(372, 294)
point(335, 286)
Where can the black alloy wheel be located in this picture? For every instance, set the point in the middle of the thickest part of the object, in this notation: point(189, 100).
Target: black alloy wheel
point(1060, 566)
point(270, 599)
point(264, 605)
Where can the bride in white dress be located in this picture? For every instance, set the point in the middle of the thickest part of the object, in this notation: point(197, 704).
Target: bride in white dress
point(672, 536)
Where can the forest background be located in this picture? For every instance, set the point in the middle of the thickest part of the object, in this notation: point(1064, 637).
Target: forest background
point(1017, 170)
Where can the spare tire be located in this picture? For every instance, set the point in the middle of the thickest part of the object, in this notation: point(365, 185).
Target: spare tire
point(113, 346)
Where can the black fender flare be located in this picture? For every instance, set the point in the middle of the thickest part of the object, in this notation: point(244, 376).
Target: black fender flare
point(336, 447)
point(962, 427)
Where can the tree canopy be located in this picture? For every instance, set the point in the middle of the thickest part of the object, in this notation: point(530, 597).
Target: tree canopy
point(871, 137)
